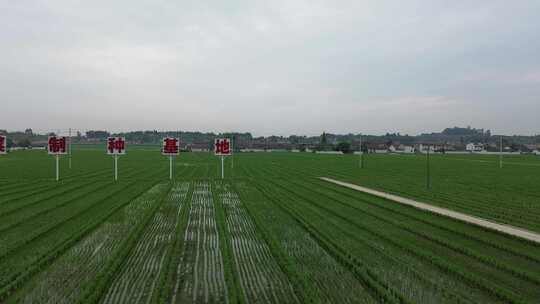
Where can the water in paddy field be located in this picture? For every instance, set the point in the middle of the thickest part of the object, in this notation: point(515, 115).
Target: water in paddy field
point(270, 232)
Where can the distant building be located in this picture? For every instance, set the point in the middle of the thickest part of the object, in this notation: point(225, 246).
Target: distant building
point(474, 147)
point(199, 147)
point(329, 152)
point(406, 149)
point(423, 148)
point(529, 148)
point(401, 149)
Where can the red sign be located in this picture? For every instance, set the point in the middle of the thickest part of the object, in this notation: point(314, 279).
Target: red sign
point(57, 145)
point(171, 146)
point(3, 144)
point(116, 146)
point(222, 146)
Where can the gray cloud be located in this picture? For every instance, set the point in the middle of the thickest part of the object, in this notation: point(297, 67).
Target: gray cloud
point(278, 67)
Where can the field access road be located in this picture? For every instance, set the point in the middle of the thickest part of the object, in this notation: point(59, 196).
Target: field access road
point(507, 229)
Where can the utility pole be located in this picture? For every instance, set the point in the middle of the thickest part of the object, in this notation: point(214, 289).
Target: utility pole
point(428, 169)
point(361, 161)
point(69, 158)
point(501, 153)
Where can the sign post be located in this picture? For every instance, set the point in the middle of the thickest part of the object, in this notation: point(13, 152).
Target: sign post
point(222, 147)
point(56, 145)
point(116, 146)
point(115, 167)
point(3, 144)
point(171, 148)
point(222, 167)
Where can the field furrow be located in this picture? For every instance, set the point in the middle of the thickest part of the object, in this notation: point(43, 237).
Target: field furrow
point(261, 278)
point(200, 275)
point(137, 278)
point(70, 276)
point(51, 236)
point(315, 274)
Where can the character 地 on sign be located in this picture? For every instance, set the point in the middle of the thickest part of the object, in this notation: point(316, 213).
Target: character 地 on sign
point(222, 146)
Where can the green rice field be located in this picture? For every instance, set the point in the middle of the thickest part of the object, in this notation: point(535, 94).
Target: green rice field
point(270, 232)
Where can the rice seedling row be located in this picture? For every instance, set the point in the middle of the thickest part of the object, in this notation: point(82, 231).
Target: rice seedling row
point(315, 274)
point(137, 278)
point(260, 277)
point(201, 275)
point(44, 243)
point(79, 268)
point(435, 252)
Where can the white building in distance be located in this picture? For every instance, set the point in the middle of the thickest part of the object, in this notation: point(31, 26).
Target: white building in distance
point(473, 147)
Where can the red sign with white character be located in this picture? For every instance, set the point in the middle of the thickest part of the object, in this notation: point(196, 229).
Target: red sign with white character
point(116, 146)
point(222, 146)
point(171, 146)
point(3, 144)
point(57, 145)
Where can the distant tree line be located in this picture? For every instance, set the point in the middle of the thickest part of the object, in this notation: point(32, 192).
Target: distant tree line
point(326, 141)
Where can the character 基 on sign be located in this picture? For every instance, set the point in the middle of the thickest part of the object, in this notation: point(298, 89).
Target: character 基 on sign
point(171, 148)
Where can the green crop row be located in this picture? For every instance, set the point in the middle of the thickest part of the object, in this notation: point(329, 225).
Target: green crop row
point(95, 292)
point(408, 238)
point(35, 255)
point(167, 279)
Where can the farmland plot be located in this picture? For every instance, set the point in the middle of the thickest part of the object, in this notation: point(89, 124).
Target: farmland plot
point(200, 276)
point(270, 233)
point(16, 212)
point(316, 275)
point(137, 280)
point(363, 226)
point(75, 272)
point(261, 279)
point(37, 242)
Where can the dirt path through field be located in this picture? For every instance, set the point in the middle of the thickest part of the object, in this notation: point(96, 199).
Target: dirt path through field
point(514, 231)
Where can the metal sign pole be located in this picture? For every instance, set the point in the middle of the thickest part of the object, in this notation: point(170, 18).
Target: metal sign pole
point(222, 167)
point(57, 167)
point(116, 167)
point(170, 166)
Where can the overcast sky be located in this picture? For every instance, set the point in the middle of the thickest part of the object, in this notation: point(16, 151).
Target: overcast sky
point(271, 67)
